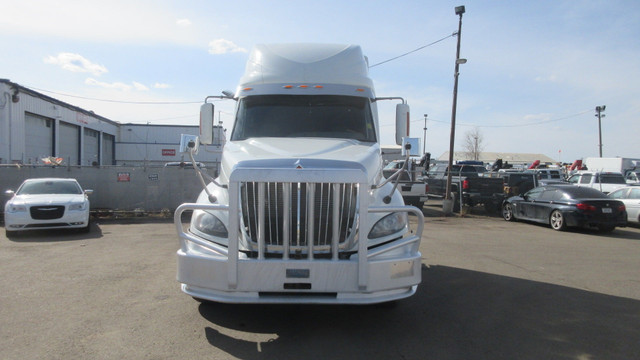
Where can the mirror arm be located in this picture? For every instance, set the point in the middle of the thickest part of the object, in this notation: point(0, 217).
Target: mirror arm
point(200, 174)
point(391, 98)
point(395, 176)
point(225, 96)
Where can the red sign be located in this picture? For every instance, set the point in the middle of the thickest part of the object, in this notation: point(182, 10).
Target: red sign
point(124, 177)
point(168, 152)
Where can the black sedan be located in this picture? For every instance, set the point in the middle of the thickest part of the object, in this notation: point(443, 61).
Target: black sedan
point(562, 206)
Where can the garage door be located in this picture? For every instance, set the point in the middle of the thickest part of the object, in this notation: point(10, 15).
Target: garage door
point(69, 140)
point(91, 147)
point(107, 149)
point(38, 138)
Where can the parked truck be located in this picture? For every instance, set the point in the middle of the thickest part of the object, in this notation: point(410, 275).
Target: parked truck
point(469, 185)
point(300, 212)
point(604, 181)
point(628, 167)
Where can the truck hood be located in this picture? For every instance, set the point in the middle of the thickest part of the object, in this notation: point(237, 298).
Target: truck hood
point(302, 153)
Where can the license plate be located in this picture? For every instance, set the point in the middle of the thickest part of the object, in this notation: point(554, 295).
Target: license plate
point(606, 210)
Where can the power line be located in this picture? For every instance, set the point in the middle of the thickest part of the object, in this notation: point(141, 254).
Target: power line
point(533, 123)
point(501, 126)
point(121, 101)
point(412, 51)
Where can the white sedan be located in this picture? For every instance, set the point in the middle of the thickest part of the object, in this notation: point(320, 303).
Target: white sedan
point(47, 203)
point(630, 196)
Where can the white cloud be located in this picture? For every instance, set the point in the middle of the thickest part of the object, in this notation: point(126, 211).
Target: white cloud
point(222, 46)
point(183, 22)
point(117, 85)
point(140, 87)
point(75, 63)
point(161, 86)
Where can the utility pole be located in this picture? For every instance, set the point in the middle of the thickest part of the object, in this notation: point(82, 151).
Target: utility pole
point(599, 110)
point(459, 11)
point(424, 142)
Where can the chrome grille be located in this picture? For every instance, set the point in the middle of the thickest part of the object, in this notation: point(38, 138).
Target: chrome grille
point(294, 213)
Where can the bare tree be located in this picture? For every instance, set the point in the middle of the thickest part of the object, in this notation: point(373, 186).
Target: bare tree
point(473, 144)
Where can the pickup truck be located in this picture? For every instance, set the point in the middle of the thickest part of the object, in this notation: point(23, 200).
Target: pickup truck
point(476, 187)
point(411, 183)
point(600, 180)
point(518, 182)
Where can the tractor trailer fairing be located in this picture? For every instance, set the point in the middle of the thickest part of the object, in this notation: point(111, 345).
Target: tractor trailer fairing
point(301, 212)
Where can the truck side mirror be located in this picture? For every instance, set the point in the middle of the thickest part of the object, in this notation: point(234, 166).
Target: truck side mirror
point(206, 124)
point(402, 122)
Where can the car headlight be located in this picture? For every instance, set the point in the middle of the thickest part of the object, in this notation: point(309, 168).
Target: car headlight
point(76, 206)
point(389, 224)
point(209, 224)
point(17, 208)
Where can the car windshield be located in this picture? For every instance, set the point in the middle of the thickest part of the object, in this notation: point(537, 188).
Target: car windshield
point(49, 187)
point(318, 116)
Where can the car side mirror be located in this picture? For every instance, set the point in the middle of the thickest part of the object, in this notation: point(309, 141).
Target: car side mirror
point(88, 192)
point(9, 192)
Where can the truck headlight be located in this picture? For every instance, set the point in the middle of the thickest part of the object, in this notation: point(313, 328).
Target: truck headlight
point(389, 224)
point(209, 224)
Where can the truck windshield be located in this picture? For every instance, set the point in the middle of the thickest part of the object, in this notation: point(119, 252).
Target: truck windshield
point(320, 116)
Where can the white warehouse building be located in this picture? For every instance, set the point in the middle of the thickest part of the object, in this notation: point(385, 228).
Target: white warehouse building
point(36, 128)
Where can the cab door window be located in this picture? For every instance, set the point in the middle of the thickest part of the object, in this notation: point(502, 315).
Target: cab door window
point(585, 179)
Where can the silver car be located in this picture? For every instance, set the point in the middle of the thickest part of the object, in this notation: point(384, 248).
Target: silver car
point(47, 203)
point(630, 196)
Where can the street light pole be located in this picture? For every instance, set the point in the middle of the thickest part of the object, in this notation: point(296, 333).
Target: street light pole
point(599, 110)
point(424, 142)
point(459, 11)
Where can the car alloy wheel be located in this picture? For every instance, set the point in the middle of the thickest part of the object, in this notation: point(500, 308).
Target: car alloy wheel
point(556, 220)
point(507, 212)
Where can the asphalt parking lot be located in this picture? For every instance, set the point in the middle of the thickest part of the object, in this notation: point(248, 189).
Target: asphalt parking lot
point(491, 290)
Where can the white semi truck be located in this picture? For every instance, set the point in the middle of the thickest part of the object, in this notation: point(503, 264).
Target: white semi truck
point(300, 212)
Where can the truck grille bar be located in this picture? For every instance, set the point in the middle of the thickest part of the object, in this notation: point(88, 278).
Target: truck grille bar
point(293, 219)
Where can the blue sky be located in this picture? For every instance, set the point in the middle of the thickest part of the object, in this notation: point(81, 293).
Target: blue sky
point(536, 70)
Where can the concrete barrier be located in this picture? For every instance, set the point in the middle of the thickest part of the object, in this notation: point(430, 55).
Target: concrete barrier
point(117, 188)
